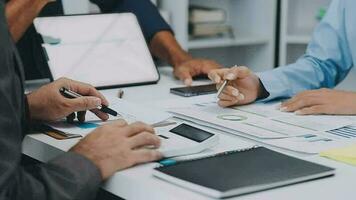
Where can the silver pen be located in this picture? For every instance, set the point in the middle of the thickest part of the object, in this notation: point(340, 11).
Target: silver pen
point(70, 94)
point(222, 87)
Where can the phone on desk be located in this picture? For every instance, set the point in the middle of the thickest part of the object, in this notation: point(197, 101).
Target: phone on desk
point(185, 139)
point(194, 90)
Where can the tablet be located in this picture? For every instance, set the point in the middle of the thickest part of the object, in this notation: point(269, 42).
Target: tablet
point(104, 50)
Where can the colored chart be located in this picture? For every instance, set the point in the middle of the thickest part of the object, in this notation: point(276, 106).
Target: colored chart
point(232, 117)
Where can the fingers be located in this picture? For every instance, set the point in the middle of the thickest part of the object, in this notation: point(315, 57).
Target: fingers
point(146, 155)
point(138, 127)
point(224, 104)
point(231, 91)
point(233, 101)
point(103, 116)
point(300, 102)
point(184, 74)
point(313, 110)
point(70, 118)
point(237, 72)
point(85, 90)
point(217, 75)
point(230, 96)
point(229, 74)
point(81, 116)
point(83, 103)
point(144, 139)
point(120, 123)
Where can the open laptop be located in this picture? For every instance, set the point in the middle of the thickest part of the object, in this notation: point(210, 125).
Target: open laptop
point(105, 50)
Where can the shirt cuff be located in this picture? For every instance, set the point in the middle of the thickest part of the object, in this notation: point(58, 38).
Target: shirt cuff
point(86, 175)
point(273, 84)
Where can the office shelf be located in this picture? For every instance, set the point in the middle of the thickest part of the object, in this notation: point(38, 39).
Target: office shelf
point(254, 20)
point(227, 42)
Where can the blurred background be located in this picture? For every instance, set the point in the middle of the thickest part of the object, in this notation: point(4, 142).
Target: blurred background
point(261, 34)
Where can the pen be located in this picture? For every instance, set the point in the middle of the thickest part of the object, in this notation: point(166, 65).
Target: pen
point(221, 89)
point(70, 94)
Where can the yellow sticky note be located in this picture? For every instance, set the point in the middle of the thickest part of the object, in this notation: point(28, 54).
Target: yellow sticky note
point(344, 154)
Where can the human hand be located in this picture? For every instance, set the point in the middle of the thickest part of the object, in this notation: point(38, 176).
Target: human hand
point(186, 70)
point(244, 86)
point(117, 146)
point(322, 101)
point(47, 103)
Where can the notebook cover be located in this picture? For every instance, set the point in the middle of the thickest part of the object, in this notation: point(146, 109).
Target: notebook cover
point(243, 170)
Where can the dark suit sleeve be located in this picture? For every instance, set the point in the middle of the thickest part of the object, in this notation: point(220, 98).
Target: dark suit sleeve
point(146, 12)
point(70, 176)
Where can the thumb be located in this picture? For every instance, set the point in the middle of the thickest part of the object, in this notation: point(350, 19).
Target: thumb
point(184, 74)
point(84, 103)
point(237, 73)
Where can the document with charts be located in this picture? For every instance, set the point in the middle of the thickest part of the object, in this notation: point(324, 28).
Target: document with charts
point(265, 123)
point(128, 111)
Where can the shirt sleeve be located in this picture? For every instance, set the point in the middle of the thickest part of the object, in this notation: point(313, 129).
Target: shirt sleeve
point(69, 176)
point(150, 19)
point(326, 63)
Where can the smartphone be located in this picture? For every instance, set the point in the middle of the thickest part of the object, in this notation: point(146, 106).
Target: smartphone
point(194, 90)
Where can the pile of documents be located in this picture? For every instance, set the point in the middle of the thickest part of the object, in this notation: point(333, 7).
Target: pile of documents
point(264, 123)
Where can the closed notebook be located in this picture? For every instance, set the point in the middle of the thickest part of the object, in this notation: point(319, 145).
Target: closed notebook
point(241, 172)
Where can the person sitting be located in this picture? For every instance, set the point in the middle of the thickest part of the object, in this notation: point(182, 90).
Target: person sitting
point(328, 59)
point(78, 173)
point(158, 34)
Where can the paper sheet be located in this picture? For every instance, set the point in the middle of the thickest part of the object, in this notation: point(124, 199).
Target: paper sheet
point(263, 122)
point(314, 123)
point(128, 111)
point(345, 154)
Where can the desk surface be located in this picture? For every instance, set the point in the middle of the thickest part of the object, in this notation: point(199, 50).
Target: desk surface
point(138, 182)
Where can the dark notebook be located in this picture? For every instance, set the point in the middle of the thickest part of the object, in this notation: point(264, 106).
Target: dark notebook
point(241, 172)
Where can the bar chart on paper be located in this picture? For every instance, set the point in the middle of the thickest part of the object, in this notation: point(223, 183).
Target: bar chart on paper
point(263, 122)
point(344, 132)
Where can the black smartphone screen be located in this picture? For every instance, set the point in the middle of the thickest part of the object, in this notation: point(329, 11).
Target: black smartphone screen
point(195, 90)
point(191, 132)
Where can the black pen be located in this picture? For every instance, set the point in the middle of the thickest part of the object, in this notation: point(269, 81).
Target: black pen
point(70, 94)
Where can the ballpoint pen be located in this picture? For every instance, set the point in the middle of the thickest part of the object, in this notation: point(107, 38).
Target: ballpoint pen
point(224, 84)
point(222, 87)
point(70, 94)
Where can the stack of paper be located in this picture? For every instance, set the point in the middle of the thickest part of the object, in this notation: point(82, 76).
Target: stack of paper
point(263, 122)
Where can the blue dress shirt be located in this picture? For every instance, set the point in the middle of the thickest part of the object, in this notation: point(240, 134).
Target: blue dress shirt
point(329, 57)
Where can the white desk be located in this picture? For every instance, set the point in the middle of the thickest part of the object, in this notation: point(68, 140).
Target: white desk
point(138, 182)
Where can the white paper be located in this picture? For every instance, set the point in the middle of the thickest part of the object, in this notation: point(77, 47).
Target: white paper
point(263, 122)
point(312, 122)
point(128, 111)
